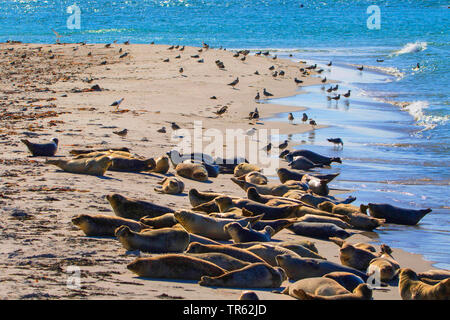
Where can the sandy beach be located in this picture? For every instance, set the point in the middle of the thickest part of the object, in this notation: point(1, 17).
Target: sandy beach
point(46, 93)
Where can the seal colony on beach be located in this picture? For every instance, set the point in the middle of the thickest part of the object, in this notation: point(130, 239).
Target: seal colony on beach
point(135, 209)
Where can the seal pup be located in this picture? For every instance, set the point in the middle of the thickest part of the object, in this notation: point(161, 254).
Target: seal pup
point(397, 215)
point(360, 245)
point(301, 268)
point(257, 275)
point(153, 241)
point(222, 260)
point(174, 266)
point(165, 221)
point(361, 292)
point(161, 165)
point(207, 226)
point(91, 166)
point(254, 177)
point(315, 285)
point(135, 209)
point(103, 225)
point(316, 185)
point(241, 254)
point(194, 171)
point(244, 168)
point(313, 157)
point(355, 257)
point(170, 185)
point(411, 288)
point(323, 219)
point(239, 233)
point(42, 149)
point(318, 230)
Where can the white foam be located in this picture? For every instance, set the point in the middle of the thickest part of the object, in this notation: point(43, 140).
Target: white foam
point(411, 48)
point(416, 109)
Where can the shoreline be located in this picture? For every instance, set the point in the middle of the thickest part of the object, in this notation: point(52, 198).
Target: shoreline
point(148, 85)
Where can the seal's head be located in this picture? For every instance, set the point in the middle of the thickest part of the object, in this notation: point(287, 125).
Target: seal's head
point(115, 199)
point(194, 247)
point(363, 291)
point(55, 141)
point(122, 231)
point(80, 219)
point(224, 203)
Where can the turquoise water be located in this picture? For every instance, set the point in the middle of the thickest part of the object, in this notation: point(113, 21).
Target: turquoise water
point(392, 154)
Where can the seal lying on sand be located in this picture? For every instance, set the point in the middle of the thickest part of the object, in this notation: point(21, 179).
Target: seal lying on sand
point(42, 149)
point(397, 215)
point(346, 279)
point(208, 226)
point(213, 170)
point(237, 253)
point(165, 221)
point(300, 268)
point(246, 234)
point(135, 209)
point(103, 225)
point(316, 285)
point(361, 292)
point(411, 288)
point(302, 163)
point(91, 166)
point(359, 245)
point(340, 222)
point(315, 200)
point(161, 165)
point(269, 251)
point(154, 241)
point(274, 190)
point(170, 185)
point(313, 157)
point(244, 168)
point(257, 275)
point(318, 230)
point(436, 274)
point(224, 261)
point(384, 265)
point(78, 152)
point(354, 257)
point(285, 174)
point(174, 266)
point(357, 219)
point(342, 208)
point(254, 177)
point(123, 164)
point(317, 186)
point(197, 198)
point(270, 213)
point(194, 171)
point(276, 225)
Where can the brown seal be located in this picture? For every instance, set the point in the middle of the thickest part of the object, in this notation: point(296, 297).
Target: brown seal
point(194, 171)
point(254, 177)
point(340, 222)
point(397, 215)
point(161, 165)
point(359, 245)
point(318, 230)
point(361, 292)
point(354, 257)
point(256, 275)
point(197, 198)
point(237, 253)
point(174, 266)
point(385, 265)
point(222, 260)
point(239, 233)
point(207, 226)
point(104, 225)
point(274, 190)
point(346, 279)
point(165, 221)
point(318, 186)
point(135, 209)
point(91, 166)
point(170, 185)
point(315, 285)
point(154, 241)
point(244, 168)
point(411, 288)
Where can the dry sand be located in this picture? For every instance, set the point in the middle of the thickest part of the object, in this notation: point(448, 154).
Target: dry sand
point(43, 95)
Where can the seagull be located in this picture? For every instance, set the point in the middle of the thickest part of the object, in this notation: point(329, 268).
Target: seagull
point(166, 60)
point(181, 70)
point(283, 145)
point(330, 89)
point(329, 64)
point(117, 103)
point(274, 58)
point(336, 141)
point(162, 130)
point(123, 55)
point(175, 126)
point(170, 48)
point(347, 95)
point(58, 36)
point(281, 73)
point(251, 132)
point(335, 88)
point(290, 117)
point(360, 68)
point(266, 93)
point(417, 67)
point(122, 133)
point(336, 97)
point(305, 117)
point(243, 58)
point(324, 80)
point(178, 57)
point(256, 72)
point(200, 61)
point(297, 81)
point(235, 82)
point(213, 97)
point(275, 74)
point(312, 123)
point(271, 68)
point(254, 114)
point(257, 96)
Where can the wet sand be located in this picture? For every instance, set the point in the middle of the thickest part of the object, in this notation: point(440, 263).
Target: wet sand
point(45, 93)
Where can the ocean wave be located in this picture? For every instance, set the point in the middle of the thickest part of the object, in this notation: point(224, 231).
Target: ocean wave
point(107, 30)
point(416, 109)
point(411, 48)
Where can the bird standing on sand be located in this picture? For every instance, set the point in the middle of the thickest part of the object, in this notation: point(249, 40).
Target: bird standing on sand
point(312, 123)
point(324, 80)
point(235, 82)
point(335, 88)
point(305, 117)
point(268, 147)
point(297, 81)
point(181, 70)
point(360, 68)
point(175, 126)
point(336, 141)
point(336, 97)
point(283, 145)
point(347, 95)
point(122, 133)
point(290, 117)
point(257, 96)
point(266, 93)
point(117, 103)
point(329, 64)
point(162, 130)
point(221, 111)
